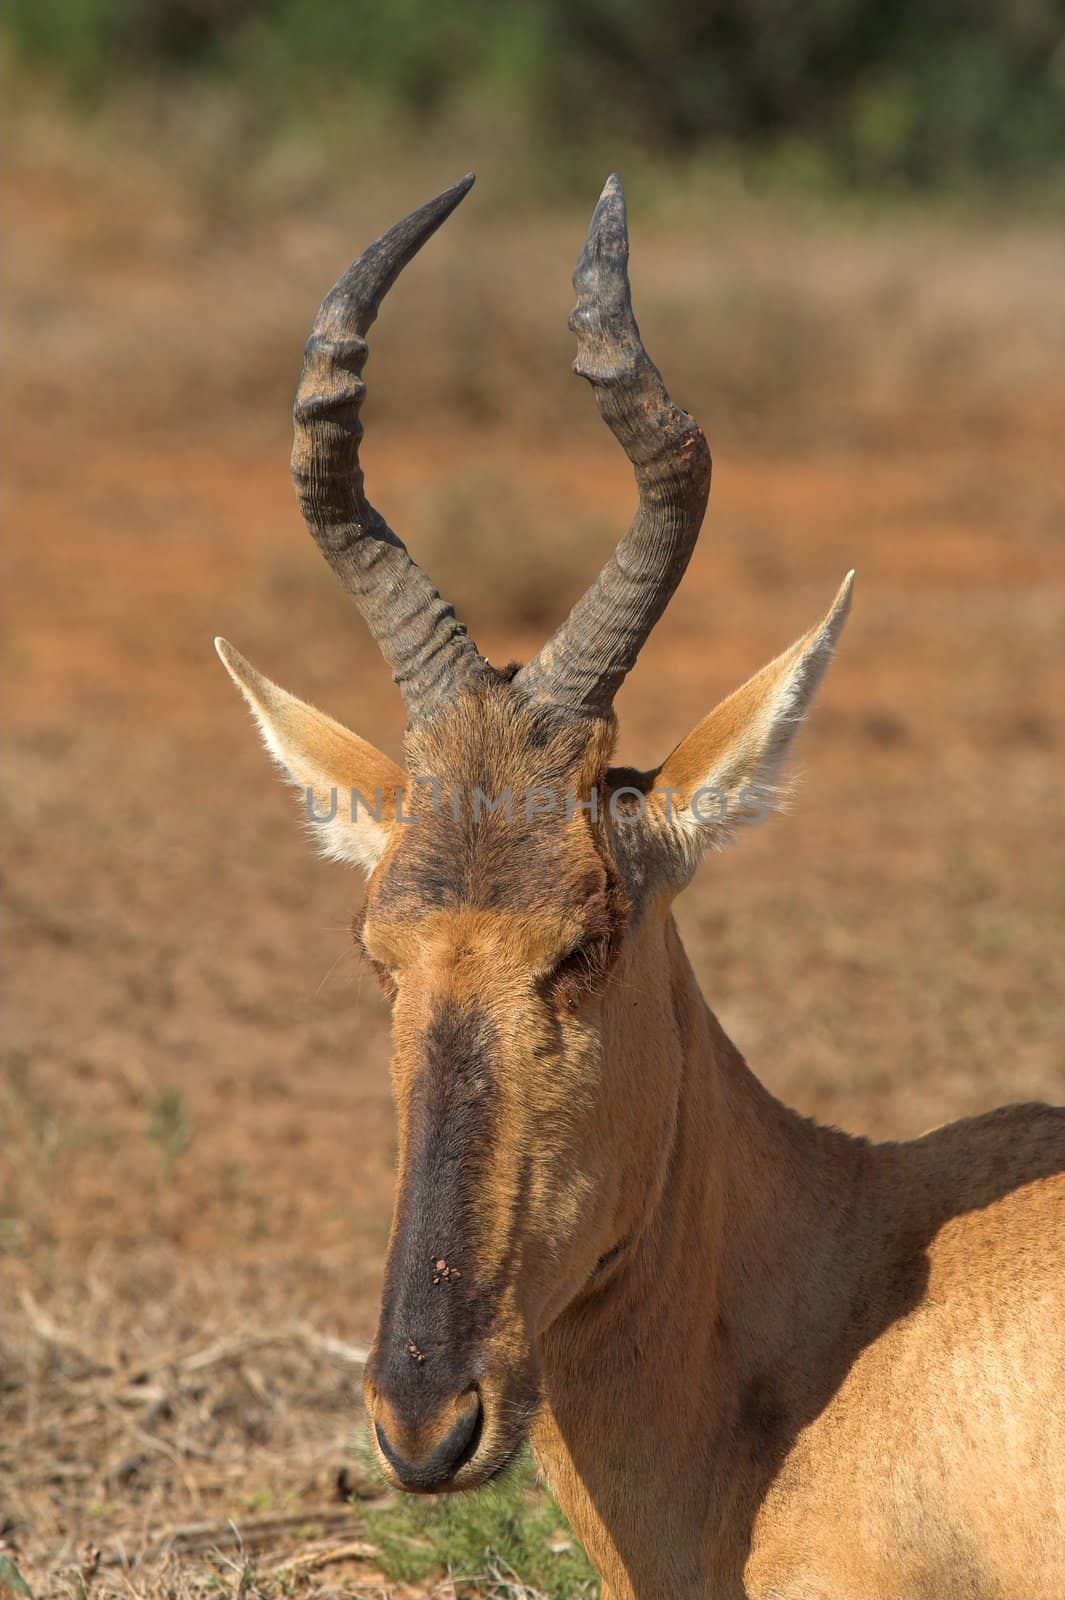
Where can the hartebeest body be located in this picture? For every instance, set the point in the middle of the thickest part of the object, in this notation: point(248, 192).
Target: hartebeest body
point(757, 1357)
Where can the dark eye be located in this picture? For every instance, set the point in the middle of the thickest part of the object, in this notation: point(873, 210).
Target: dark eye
point(576, 960)
point(580, 971)
point(383, 974)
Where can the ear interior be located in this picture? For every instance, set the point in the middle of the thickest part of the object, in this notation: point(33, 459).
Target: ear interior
point(727, 770)
point(328, 762)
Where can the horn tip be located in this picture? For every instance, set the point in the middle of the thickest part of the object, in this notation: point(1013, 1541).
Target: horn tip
point(602, 269)
point(610, 209)
point(436, 211)
point(458, 191)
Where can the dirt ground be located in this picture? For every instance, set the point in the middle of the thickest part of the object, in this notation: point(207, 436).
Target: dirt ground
point(196, 1167)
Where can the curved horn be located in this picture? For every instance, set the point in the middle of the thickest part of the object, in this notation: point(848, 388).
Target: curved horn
point(582, 666)
point(426, 648)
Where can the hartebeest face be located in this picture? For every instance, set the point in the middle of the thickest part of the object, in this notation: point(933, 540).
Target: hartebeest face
point(519, 887)
point(495, 933)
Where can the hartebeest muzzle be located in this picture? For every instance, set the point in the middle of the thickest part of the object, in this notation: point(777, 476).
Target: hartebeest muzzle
point(425, 1443)
point(438, 1383)
point(423, 1380)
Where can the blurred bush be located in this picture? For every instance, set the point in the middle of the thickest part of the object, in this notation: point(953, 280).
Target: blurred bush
point(913, 94)
point(521, 564)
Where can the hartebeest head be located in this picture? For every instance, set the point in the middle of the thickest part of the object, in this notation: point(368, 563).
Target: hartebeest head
point(517, 912)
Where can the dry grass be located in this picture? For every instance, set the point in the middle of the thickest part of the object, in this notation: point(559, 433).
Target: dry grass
point(146, 1421)
point(156, 1442)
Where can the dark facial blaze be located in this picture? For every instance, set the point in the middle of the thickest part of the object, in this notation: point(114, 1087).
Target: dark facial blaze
point(494, 929)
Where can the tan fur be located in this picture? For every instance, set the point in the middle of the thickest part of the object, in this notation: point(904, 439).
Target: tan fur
point(760, 1357)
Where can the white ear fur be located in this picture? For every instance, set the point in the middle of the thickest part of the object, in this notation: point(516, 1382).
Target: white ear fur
point(726, 771)
point(328, 763)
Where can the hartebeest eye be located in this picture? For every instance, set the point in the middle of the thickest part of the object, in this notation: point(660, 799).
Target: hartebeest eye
point(374, 951)
point(579, 957)
point(579, 973)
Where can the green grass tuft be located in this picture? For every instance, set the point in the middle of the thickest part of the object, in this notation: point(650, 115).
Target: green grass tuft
point(505, 1538)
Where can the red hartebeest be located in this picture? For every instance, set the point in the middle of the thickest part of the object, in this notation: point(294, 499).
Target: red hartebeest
point(757, 1357)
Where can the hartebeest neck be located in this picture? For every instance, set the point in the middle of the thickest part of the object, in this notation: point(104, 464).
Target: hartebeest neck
point(672, 1387)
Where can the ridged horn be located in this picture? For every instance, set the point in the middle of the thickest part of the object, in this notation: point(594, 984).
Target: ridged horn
point(583, 665)
point(427, 649)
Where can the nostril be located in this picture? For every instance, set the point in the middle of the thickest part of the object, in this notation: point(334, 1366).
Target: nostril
point(443, 1459)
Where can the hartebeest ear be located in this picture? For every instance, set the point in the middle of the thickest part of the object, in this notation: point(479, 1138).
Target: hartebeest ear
point(349, 787)
point(727, 771)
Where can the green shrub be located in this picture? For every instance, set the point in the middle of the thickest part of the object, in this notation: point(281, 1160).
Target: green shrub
point(913, 94)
